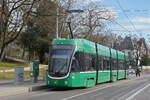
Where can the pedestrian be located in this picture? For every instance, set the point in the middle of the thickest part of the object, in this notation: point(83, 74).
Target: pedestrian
point(138, 72)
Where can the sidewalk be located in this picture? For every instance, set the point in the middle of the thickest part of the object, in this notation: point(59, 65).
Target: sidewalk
point(11, 81)
point(8, 87)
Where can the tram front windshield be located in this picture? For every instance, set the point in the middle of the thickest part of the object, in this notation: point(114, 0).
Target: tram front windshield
point(59, 62)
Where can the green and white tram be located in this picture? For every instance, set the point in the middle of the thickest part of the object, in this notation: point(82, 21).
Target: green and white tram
point(82, 63)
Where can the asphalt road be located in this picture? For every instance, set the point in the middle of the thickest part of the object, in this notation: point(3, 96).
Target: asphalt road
point(130, 89)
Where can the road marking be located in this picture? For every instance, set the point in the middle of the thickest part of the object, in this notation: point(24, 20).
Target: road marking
point(88, 92)
point(133, 95)
point(41, 94)
point(67, 98)
point(118, 82)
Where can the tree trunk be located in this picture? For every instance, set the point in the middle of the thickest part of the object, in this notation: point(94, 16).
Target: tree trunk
point(41, 57)
point(23, 53)
point(29, 55)
point(2, 53)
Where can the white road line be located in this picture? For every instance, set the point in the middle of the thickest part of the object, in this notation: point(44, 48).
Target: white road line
point(133, 95)
point(41, 94)
point(67, 98)
point(87, 92)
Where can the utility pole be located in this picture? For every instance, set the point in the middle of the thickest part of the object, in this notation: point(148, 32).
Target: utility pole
point(69, 21)
point(57, 13)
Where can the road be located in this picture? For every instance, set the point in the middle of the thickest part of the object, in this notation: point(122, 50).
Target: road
point(130, 89)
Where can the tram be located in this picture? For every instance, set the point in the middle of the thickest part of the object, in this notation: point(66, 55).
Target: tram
point(82, 63)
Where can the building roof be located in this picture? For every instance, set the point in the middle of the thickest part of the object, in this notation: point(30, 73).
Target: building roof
point(125, 44)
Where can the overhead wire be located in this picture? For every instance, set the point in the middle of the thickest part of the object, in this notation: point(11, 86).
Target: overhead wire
point(126, 16)
point(113, 21)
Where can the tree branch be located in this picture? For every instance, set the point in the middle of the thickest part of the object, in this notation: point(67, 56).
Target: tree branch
point(24, 24)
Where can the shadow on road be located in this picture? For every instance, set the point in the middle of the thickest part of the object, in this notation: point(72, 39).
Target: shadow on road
point(64, 89)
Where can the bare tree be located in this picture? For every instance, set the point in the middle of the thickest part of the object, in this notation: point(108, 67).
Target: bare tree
point(14, 15)
point(91, 21)
point(137, 54)
point(63, 6)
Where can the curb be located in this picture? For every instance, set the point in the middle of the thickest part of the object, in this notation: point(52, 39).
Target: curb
point(12, 81)
point(13, 92)
point(37, 88)
point(22, 90)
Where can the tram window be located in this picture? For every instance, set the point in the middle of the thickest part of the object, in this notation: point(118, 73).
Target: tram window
point(124, 64)
point(82, 61)
point(79, 57)
point(121, 64)
point(127, 65)
point(86, 61)
point(100, 63)
point(106, 64)
point(114, 64)
point(75, 66)
point(93, 62)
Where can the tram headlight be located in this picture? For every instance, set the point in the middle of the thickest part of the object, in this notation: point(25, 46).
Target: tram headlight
point(66, 82)
point(73, 77)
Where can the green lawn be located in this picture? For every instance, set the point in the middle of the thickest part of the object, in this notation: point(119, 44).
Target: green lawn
point(6, 65)
point(10, 75)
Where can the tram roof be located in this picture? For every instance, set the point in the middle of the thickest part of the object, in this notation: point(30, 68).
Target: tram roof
point(88, 46)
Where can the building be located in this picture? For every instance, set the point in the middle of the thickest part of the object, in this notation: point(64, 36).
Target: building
point(126, 45)
point(135, 49)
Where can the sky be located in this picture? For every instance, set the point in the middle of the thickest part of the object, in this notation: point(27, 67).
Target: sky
point(132, 15)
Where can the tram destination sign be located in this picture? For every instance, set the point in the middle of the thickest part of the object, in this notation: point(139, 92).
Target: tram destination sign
point(62, 47)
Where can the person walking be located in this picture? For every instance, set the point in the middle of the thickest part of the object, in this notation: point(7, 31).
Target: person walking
point(138, 72)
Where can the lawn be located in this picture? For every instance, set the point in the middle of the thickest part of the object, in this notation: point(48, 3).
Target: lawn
point(10, 75)
point(6, 65)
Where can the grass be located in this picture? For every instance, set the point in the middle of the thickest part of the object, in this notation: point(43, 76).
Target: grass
point(6, 65)
point(10, 75)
